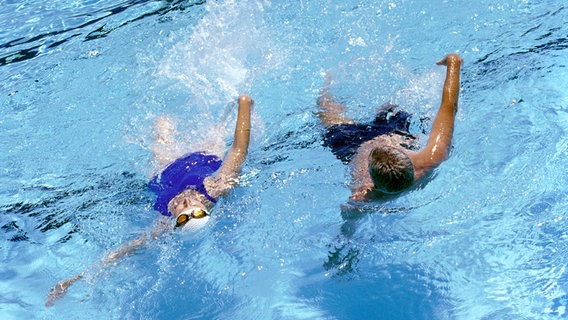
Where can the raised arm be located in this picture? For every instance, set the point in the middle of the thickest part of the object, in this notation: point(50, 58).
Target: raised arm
point(226, 176)
point(331, 112)
point(440, 139)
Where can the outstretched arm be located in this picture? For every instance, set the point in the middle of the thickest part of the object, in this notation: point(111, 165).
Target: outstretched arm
point(331, 112)
point(60, 289)
point(440, 139)
point(226, 176)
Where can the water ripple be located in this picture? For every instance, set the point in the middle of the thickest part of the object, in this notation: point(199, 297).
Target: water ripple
point(94, 23)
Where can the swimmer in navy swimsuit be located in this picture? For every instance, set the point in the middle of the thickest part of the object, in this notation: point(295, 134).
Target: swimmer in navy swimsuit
point(187, 189)
point(384, 158)
point(345, 139)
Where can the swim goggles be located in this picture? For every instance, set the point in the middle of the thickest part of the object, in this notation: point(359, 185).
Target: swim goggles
point(187, 215)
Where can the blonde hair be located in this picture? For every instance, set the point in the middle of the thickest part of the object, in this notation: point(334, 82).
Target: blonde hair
point(391, 169)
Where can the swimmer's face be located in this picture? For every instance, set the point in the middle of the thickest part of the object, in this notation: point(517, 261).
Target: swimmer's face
point(189, 210)
point(185, 200)
point(192, 219)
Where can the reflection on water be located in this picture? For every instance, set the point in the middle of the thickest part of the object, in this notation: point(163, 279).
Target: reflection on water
point(485, 238)
point(94, 23)
point(66, 207)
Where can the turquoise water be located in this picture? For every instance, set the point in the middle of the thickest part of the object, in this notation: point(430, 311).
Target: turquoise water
point(82, 82)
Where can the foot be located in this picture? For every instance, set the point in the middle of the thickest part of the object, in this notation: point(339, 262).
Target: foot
point(165, 130)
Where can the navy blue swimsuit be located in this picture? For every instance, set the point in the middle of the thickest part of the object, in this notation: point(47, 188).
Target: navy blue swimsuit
point(345, 139)
point(187, 172)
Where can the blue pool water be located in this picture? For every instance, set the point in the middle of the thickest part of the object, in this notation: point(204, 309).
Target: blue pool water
point(81, 83)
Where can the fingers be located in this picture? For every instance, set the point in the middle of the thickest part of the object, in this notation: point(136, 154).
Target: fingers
point(60, 290)
point(450, 58)
point(245, 99)
point(443, 62)
point(56, 292)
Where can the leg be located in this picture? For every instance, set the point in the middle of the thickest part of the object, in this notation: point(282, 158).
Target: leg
point(386, 108)
point(162, 147)
point(331, 112)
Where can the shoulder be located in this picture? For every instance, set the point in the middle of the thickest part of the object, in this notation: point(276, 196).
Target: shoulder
point(361, 158)
point(395, 139)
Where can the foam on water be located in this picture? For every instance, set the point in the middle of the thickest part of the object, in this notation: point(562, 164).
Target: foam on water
point(214, 60)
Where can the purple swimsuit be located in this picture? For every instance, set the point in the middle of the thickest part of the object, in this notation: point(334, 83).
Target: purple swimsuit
point(187, 172)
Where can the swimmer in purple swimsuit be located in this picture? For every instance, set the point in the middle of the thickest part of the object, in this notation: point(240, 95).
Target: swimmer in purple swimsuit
point(383, 156)
point(187, 188)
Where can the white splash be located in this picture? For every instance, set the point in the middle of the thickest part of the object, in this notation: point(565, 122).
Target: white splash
point(217, 60)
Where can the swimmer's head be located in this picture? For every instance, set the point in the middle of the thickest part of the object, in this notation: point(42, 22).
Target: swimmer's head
point(192, 219)
point(185, 199)
point(391, 169)
point(190, 209)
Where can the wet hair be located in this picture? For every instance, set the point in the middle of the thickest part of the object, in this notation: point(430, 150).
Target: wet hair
point(391, 169)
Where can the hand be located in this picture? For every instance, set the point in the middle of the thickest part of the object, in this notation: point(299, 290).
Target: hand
point(243, 98)
point(450, 58)
point(60, 290)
